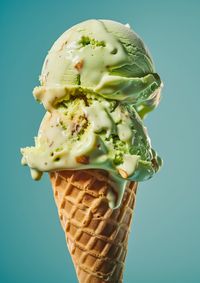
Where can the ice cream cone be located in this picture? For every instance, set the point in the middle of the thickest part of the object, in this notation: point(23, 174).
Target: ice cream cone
point(96, 235)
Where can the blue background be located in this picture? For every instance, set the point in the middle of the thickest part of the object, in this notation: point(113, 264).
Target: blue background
point(164, 244)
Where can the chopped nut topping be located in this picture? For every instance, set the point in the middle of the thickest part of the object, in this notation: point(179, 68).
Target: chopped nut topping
point(123, 173)
point(79, 65)
point(154, 163)
point(83, 159)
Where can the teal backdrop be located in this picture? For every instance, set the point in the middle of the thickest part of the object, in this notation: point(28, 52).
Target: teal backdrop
point(164, 243)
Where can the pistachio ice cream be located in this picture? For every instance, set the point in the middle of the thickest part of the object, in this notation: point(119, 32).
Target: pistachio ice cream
point(97, 83)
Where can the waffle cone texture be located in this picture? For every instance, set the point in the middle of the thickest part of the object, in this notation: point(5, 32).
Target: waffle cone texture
point(96, 235)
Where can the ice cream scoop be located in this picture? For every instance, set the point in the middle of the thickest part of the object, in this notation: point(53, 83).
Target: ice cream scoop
point(96, 82)
point(105, 57)
point(87, 132)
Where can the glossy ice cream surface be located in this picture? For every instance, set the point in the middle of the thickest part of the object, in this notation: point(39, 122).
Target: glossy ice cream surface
point(96, 82)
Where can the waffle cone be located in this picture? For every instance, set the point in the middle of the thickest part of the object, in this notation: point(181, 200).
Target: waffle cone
point(96, 235)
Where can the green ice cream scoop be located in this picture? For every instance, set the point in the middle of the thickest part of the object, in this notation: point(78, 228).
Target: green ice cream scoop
point(105, 57)
point(91, 132)
point(97, 83)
